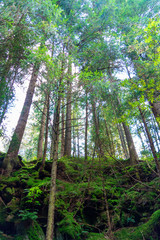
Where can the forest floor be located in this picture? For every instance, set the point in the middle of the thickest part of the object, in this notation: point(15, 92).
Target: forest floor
point(89, 194)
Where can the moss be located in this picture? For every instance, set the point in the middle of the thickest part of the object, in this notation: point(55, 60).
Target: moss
point(146, 230)
point(13, 205)
point(10, 190)
point(2, 236)
point(34, 232)
point(2, 213)
point(96, 236)
point(80, 204)
point(10, 179)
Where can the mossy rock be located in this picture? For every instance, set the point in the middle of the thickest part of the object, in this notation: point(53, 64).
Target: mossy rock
point(148, 231)
point(97, 236)
point(43, 174)
point(2, 213)
point(13, 205)
point(2, 156)
point(33, 232)
point(17, 163)
point(5, 237)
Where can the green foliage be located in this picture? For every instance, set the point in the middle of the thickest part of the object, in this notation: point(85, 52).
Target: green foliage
point(33, 232)
point(104, 37)
point(33, 194)
point(2, 237)
point(80, 203)
point(27, 215)
point(96, 236)
point(69, 225)
point(145, 230)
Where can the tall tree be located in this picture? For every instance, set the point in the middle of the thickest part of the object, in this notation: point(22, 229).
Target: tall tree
point(67, 146)
point(62, 128)
point(12, 154)
point(47, 128)
point(150, 140)
point(86, 127)
point(52, 196)
point(42, 129)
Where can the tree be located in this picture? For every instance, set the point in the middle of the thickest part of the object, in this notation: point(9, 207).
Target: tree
point(42, 129)
point(52, 196)
point(12, 154)
point(150, 140)
point(47, 129)
point(67, 146)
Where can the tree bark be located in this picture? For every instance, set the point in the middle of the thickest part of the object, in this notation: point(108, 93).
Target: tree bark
point(46, 134)
point(52, 196)
point(60, 91)
point(78, 146)
point(150, 141)
point(11, 157)
point(132, 150)
point(42, 128)
point(155, 107)
point(156, 133)
point(110, 142)
point(52, 136)
point(51, 206)
point(142, 141)
point(131, 147)
point(97, 138)
point(62, 130)
point(74, 136)
point(86, 127)
point(67, 147)
point(123, 142)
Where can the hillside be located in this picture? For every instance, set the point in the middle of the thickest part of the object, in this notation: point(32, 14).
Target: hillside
point(91, 194)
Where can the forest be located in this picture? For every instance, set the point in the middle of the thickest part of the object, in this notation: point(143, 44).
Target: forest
point(83, 161)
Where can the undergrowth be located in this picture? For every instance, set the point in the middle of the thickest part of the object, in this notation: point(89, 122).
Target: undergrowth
point(85, 190)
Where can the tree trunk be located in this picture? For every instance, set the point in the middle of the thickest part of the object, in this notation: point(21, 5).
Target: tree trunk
point(67, 147)
point(156, 133)
point(142, 141)
point(52, 196)
point(131, 147)
point(123, 142)
point(46, 135)
point(97, 138)
point(86, 127)
point(42, 128)
point(78, 147)
point(74, 141)
point(155, 107)
point(74, 136)
point(113, 152)
point(53, 135)
point(150, 141)
point(60, 91)
point(110, 141)
point(132, 150)
point(62, 130)
point(11, 157)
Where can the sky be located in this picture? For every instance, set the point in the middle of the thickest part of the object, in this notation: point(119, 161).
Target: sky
point(13, 114)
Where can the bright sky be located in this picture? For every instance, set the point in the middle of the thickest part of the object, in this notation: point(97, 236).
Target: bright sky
point(13, 113)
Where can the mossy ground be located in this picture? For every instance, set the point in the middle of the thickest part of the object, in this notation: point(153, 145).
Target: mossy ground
point(82, 190)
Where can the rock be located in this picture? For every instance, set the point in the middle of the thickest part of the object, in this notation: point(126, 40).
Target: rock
point(33, 232)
